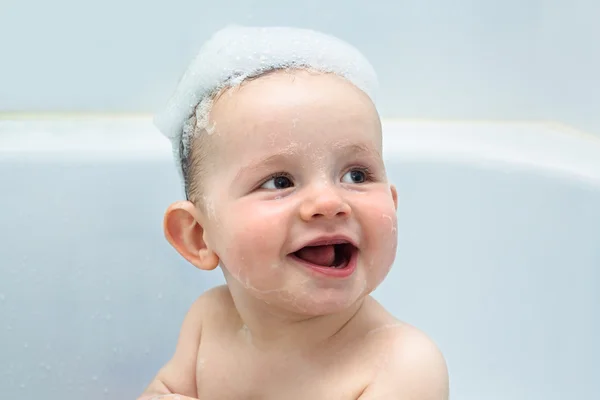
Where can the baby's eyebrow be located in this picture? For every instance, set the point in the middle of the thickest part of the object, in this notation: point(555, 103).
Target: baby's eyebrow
point(355, 148)
point(281, 157)
point(262, 163)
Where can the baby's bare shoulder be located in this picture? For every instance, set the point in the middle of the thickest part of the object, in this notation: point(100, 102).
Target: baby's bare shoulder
point(212, 301)
point(409, 364)
point(216, 310)
point(218, 297)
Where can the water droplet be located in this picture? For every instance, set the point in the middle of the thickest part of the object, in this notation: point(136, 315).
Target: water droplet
point(22, 386)
point(160, 296)
point(25, 345)
point(2, 297)
point(9, 327)
point(105, 390)
point(108, 317)
point(107, 298)
point(94, 378)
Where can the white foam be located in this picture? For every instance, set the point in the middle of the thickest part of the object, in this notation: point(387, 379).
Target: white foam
point(236, 53)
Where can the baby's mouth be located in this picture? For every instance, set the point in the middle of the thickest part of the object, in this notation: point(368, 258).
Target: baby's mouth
point(331, 255)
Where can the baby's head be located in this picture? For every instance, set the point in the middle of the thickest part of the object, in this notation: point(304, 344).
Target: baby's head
point(286, 184)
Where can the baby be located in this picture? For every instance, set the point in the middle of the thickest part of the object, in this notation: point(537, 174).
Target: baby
point(279, 144)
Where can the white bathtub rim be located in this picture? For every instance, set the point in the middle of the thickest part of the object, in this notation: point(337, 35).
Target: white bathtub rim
point(539, 146)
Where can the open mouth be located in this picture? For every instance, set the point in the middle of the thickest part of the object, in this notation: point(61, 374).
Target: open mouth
point(332, 255)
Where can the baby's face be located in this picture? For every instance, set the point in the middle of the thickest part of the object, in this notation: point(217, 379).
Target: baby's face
point(298, 160)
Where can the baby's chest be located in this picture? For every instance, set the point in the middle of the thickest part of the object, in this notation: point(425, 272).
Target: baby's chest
point(241, 378)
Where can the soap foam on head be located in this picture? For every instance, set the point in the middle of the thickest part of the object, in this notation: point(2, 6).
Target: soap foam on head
point(237, 53)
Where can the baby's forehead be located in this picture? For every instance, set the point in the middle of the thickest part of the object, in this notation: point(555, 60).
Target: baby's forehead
point(256, 149)
point(283, 99)
point(291, 113)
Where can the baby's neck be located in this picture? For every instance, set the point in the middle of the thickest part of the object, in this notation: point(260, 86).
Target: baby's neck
point(267, 329)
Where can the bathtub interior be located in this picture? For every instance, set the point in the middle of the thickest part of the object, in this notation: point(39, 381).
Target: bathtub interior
point(498, 258)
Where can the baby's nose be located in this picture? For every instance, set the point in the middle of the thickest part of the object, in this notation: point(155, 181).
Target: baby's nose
point(324, 203)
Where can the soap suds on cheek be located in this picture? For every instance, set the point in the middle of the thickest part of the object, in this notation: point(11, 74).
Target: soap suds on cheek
point(387, 246)
point(388, 228)
point(391, 221)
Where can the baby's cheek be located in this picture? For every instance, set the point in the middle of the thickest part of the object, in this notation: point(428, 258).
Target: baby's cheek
point(388, 231)
point(381, 231)
point(379, 213)
point(253, 240)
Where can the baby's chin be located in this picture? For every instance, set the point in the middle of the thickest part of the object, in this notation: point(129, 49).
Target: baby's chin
point(299, 293)
point(307, 299)
point(309, 306)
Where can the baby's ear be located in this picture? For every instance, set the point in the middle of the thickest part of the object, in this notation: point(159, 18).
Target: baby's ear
point(184, 232)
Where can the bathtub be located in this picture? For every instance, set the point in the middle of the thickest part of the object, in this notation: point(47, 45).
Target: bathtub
point(498, 258)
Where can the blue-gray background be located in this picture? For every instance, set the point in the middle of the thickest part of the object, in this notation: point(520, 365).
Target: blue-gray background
point(499, 264)
point(511, 59)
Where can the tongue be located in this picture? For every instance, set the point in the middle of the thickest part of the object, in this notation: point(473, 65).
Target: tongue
point(319, 255)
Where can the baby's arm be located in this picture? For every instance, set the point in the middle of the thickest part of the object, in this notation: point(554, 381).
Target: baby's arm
point(415, 369)
point(178, 376)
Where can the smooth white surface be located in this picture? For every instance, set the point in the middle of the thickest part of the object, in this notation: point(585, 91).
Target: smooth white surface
point(498, 259)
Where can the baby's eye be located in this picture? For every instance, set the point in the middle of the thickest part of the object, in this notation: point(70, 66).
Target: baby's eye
point(355, 176)
point(277, 182)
